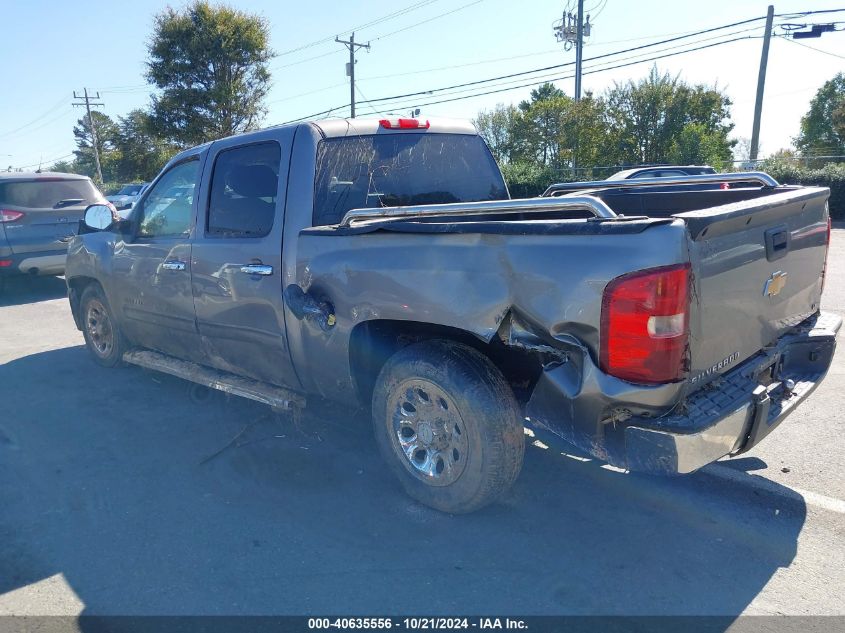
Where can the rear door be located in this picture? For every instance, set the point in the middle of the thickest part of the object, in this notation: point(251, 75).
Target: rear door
point(46, 211)
point(237, 258)
point(757, 272)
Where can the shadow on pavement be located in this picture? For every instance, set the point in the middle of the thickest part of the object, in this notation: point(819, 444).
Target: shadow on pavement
point(746, 464)
point(24, 289)
point(149, 501)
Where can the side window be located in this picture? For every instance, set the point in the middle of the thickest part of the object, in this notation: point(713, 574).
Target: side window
point(167, 207)
point(244, 185)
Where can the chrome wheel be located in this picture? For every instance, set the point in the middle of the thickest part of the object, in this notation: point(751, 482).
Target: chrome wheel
point(428, 432)
point(99, 328)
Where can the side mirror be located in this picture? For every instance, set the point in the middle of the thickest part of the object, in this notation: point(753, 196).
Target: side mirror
point(99, 217)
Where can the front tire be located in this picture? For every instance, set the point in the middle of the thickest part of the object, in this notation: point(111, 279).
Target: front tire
point(448, 425)
point(102, 334)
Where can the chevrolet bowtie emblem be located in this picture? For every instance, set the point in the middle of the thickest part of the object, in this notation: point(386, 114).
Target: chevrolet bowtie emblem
point(774, 284)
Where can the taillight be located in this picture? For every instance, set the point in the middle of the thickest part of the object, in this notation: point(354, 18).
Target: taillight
point(404, 124)
point(5, 263)
point(826, 251)
point(10, 216)
point(645, 325)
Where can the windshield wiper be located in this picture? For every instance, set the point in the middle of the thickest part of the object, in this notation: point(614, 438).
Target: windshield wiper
point(68, 202)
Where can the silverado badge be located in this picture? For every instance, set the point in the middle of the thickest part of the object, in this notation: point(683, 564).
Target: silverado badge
point(774, 284)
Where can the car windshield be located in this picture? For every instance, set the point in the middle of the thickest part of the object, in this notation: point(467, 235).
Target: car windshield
point(402, 169)
point(46, 194)
point(130, 190)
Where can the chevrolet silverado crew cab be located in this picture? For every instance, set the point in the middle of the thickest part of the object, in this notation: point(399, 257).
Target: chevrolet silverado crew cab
point(658, 326)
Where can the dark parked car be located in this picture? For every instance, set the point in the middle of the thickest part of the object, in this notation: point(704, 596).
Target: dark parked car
point(39, 214)
point(662, 171)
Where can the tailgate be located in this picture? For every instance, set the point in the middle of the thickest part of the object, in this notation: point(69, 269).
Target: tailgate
point(42, 229)
point(46, 211)
point(757, 273)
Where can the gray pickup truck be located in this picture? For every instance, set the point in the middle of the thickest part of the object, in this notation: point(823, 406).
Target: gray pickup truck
point(657, 324)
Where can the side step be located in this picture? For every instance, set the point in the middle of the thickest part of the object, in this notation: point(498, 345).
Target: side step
point(277, 397)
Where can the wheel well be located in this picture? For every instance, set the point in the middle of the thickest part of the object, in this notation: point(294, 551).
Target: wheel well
point(75, 287)
point(372, 343)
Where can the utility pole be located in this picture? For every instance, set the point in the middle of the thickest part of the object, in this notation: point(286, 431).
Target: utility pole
point(761, 83)
point(350, 67)
point(571, 30)
point(579, 47)
point(86, 101)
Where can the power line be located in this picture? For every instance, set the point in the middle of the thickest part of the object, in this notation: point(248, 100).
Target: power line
point(431, 19)
point(360, 27)
point(534, 82)
point(58, 105)
point(383, 36)
point(589, 72)
point(557, 66)
point(41, 162)
point(813, 48)
point(555, 76)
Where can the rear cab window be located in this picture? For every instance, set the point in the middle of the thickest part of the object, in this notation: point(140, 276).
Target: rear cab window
point(244, 186)
point(400, 169)
point(49, 193)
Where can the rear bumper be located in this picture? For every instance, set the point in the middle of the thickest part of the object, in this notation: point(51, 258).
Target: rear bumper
point(627, 425)
point(38, 263)
point(738, 410)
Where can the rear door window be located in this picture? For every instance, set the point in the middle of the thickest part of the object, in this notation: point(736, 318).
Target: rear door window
point(49, 194)
point(386, 170)
point(244, 186)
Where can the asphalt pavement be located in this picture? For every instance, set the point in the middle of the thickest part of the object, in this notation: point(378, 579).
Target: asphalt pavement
point(128, 492)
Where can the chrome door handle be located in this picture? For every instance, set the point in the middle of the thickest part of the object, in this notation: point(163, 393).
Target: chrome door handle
point(257, 269)
point(173, 264)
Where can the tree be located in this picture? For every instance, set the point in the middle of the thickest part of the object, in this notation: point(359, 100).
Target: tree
point(106, 131)
point(649, 118)
point(496, 127)
point(823, 127)
point(63, 166)
point(142, 151)
point(210, 65)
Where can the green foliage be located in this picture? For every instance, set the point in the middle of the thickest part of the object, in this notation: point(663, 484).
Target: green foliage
point(210, 66)
point(656, 120)
point(527, 180)
point(130, 149)
point(661, 119)
point(496, 127)
point(106, 130)
point(823, 127)
point(63, 166)
point(789, 171)
point(143, 153)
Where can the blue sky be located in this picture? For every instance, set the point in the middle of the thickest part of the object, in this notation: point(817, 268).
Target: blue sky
point(54, 48)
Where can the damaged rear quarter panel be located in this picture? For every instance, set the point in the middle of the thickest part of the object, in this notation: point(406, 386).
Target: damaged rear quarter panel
point(467, 281)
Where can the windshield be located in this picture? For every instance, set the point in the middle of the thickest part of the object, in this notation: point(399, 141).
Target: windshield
point(46, 194)
point(389, 170)
point(130, 190)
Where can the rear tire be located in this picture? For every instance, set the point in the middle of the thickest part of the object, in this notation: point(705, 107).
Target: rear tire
point(102, 334)
point(448, 425)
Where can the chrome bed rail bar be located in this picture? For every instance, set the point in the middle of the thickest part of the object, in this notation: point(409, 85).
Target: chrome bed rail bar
point(493, 207)
point(758, 177)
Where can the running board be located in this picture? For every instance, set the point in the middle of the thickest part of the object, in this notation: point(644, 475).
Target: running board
point(215, 379)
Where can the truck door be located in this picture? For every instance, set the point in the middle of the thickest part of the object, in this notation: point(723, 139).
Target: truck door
point(151, 284)
point(237, 258)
